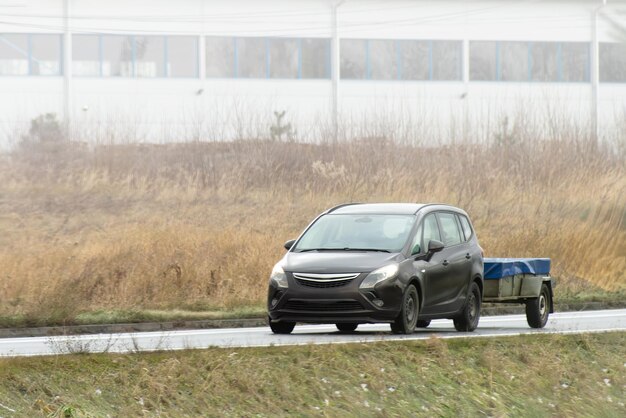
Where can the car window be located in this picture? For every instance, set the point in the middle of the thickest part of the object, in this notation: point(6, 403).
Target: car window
point(449, 229)
point(417, 241)
point(467, 229)
point(339, 231)
point(431, 231)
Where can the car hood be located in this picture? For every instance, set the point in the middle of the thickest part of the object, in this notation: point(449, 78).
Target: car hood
point(336, 261)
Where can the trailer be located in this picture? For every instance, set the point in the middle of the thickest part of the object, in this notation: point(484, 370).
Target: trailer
point(521, 280)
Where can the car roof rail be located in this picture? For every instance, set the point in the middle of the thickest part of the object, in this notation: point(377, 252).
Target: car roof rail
point(432, 204)
point(341, 206)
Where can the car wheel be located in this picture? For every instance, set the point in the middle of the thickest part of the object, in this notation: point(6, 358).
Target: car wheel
point(538, 309)
point(347, 326)
point(406, 320)
point(281, 327)
point(467, 320)
point(422, 324)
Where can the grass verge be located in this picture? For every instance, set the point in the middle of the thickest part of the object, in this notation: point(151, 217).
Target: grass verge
point(101, 317)
point(543, 375)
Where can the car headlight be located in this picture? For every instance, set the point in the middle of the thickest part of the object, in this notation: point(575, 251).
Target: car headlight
point(377, 276)
point(278, 277)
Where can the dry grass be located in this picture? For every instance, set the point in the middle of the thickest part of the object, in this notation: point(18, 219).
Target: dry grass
point(529, 376)
point(199, 225)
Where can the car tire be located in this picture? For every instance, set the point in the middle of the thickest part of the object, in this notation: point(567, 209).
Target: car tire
point(538, 309)
point(422, 323)
point(467, 320)
point(346, 326)
point(281, 327)
point(407, 319)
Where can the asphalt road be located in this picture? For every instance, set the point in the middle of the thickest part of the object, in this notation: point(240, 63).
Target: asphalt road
point(491, 326)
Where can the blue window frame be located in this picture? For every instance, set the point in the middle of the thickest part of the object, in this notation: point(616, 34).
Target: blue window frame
point(25, 54)
point(145, 56)
point(529, 61)
point(386, 59)
point(267, 58)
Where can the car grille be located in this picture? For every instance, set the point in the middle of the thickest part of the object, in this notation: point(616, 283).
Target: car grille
point(323, 284)
point(324, 280)
point(325, 306)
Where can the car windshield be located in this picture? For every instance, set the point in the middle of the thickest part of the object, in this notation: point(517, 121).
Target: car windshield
point(357, 232)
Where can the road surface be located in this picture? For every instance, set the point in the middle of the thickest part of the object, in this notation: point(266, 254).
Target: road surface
point(491, 326)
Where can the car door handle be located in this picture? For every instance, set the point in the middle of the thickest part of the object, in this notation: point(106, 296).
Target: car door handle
point(468, 256)
point(445, 262)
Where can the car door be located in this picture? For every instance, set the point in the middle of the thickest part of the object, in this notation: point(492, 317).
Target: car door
point(433, 272)
point(452, 287)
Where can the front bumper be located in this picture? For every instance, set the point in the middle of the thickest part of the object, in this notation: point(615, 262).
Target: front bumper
point(346, 303)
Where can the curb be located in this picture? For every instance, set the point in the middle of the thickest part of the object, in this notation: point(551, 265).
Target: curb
point(487, 310)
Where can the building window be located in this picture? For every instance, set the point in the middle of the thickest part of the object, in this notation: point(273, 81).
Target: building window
point(353, 60)
point(267, 58)
point(117, 56)
point(283, 54)
point(220, 57)
point(404, 60)
point(446, 60)
point(251, 58)
point(134, 56)
point(315, 58)
point(575, 61)
point(149, 56)
point(181, 56)
point(86, 55)
point(544, 61)
point(14, 55)
point(529, 61)
point(483, 61)
point(383, 62)
point(414, 60)
point(45, 58)
point(612, 62)
point(30, 54)
point(513, 61)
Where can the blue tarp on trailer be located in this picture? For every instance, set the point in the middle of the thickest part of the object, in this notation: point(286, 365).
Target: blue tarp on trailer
point(497, 268)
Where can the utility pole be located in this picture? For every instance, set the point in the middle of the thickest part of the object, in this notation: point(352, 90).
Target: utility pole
point(595, 74)
point(465, 62)
point(67, 66)
point(335, 72)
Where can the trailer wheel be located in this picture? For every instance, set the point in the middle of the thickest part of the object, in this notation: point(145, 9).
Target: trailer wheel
point(467, 320)
point(538, 309)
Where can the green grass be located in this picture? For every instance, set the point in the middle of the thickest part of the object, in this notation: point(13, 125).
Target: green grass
point(607, 299)
point(576, 375)
point(97, 317)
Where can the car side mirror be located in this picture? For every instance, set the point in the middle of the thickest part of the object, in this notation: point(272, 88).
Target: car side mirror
point(416, 250)
point(289, 244)
point(434, 246)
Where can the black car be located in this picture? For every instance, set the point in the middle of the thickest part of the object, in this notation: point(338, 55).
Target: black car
point(400, 263)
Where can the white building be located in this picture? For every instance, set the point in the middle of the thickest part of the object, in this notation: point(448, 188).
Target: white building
point(177, 70)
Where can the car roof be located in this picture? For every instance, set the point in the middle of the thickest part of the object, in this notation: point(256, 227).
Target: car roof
point(377, 208)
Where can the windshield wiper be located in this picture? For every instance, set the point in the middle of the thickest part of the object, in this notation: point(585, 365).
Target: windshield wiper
point(380, 250)
point(344, 249)
point(320, 249)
